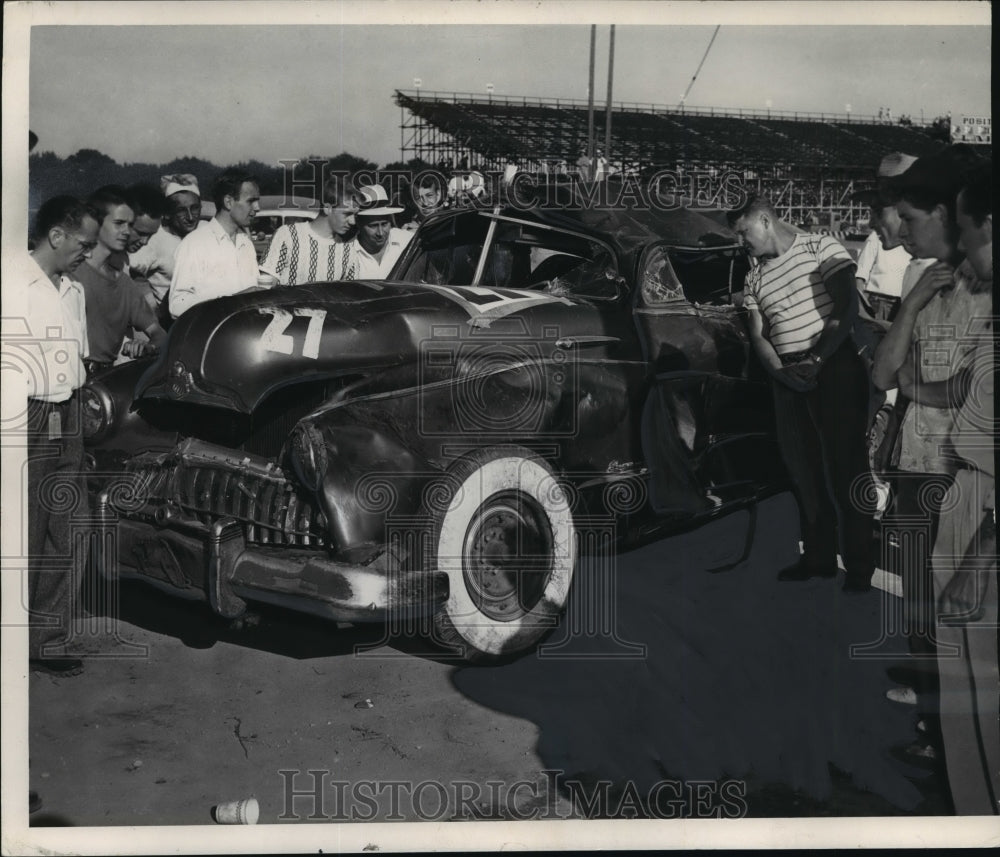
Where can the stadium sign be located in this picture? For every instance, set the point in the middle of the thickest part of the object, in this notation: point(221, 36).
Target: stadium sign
point(973, 129)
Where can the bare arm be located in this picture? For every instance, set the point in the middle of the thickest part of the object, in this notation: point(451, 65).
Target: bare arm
point(841, 288)
point(157, 335)
point(896, 344)
point(765, 351)
point(950, 393)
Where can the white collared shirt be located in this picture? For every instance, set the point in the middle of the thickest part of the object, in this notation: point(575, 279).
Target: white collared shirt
point(370, 268)
point(209, 264)
point(53, 337)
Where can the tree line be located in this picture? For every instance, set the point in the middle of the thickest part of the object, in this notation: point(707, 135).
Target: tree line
point(88, 169)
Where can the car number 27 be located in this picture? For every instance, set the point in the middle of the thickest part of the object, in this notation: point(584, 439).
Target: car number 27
point(275, 339)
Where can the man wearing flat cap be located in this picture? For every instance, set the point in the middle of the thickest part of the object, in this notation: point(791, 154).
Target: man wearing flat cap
point(378, 243)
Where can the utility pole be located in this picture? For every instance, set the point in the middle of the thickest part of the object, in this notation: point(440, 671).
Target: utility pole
point(607, 112)
point(590, 95)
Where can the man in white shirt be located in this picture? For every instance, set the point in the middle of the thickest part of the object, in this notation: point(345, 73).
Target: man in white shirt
point(154, 262)
point(379, 243)
point(883, 259)
point(56, 321)
point(219, 259)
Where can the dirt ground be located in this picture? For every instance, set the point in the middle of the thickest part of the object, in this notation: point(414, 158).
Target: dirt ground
point(668, 691)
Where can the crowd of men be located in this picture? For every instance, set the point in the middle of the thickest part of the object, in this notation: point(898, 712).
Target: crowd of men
point(926, 340)
point(127, 263)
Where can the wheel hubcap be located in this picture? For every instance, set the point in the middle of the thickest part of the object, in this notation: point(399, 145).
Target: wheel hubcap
point(507, 556)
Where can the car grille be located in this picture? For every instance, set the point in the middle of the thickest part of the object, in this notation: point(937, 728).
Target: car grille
point(198, 483)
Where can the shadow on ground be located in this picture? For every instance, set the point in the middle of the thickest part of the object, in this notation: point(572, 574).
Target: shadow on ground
point(663, 672)
point(265, 628)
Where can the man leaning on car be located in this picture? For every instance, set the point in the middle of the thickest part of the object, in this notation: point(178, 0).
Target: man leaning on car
point(802, 302)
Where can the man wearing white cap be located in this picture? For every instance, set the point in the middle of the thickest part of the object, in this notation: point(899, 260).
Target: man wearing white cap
point(379, 244)
point(154, 263)
point(883, 258)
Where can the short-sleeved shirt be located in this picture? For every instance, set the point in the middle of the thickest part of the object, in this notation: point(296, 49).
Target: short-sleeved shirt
point(790, 292)
point(882, 270)
point(114, 306)
point(55, 329)
point(155, 262)
point(370, 268)
point(945, 335)
point(209, 264)
point(298, 255)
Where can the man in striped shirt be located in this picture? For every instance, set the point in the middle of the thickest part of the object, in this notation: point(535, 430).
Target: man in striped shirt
point(319, 250)
point(801, 299)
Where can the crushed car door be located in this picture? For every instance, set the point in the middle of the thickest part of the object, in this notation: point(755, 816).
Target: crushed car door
point(709, 407)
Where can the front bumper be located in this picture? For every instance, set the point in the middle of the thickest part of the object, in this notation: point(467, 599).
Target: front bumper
point(216, 564)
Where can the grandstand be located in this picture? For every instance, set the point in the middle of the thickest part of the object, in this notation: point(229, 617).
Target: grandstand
point(805, 161)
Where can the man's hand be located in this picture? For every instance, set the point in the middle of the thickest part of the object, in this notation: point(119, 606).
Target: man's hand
point(934, 279)
point(133, 348)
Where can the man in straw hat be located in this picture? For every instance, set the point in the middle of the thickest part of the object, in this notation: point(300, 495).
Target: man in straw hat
point(379, 243)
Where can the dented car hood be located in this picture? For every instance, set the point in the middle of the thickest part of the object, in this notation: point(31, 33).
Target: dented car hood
point(233, 352)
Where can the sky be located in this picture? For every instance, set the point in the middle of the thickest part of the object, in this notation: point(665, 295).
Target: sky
point(271, 91)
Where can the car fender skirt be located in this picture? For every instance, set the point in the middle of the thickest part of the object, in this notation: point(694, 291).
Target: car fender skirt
point(304, 580)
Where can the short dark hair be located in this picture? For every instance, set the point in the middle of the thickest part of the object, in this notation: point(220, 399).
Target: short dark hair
point(936, 179)
point(229, 183)
point(977, 190)
point(755, 204)
point(144, 199)
point(65, 211)
point(105, 198)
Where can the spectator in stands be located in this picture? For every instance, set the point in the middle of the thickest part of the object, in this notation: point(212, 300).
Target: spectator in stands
point(115, 304)
point(154, 263)
point(932, 318)
point(219, 259)
point(600, 167)
point(967, 588)
point(802, 302)
point(320, 249)
point(583, 167)
point(378, 244)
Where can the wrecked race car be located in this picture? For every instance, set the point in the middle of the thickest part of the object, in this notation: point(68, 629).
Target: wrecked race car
point(440, 444)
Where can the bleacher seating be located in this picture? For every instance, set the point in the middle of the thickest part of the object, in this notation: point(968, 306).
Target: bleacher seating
point(496, 129)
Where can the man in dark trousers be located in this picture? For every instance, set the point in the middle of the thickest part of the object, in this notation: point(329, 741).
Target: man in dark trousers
point(802, 302)
point(53, 305)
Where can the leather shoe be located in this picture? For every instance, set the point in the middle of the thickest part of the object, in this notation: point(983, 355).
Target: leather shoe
point(803, 570)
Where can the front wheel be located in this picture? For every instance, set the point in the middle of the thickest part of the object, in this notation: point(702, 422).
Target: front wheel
point(503, 533)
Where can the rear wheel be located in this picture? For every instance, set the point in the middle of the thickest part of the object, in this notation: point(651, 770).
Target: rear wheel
point(503, 533)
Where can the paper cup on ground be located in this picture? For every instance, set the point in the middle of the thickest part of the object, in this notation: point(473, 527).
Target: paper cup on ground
point(244, 811)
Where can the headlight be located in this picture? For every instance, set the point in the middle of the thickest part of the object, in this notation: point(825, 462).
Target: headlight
point(97, 412)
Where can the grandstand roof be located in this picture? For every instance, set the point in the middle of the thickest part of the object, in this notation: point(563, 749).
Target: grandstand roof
point(536, 130)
